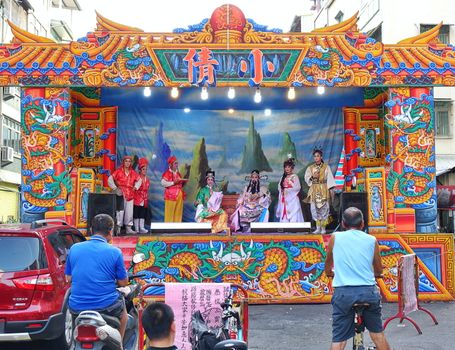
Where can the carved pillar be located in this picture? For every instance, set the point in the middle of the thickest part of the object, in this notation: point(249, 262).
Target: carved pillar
point(411, 179)
point(45, 124)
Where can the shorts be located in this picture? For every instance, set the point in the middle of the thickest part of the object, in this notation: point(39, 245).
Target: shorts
point(114, 310)
point(343, 300)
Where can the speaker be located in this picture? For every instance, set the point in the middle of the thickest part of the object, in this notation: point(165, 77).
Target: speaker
point(357, 200)
point(100, 203)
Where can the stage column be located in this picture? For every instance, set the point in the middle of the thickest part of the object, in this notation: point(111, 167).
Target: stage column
point(351, 131)
point(110, 143)
point(411, 177)
point(45, 123)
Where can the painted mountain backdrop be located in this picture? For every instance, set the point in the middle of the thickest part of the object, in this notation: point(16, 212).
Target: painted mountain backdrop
point(232, 144)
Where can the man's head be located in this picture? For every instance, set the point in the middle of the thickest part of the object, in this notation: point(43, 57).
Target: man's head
point(127, 162)
point(173, 163)
point(352, 219)
point(158, 323)
point(103, 224)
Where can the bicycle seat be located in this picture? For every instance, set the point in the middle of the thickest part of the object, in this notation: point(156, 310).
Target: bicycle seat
point(231, 344)
point(360, 306)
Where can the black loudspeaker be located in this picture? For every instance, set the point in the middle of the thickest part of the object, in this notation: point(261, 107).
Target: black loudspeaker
point(100, 203)
point(355, 199)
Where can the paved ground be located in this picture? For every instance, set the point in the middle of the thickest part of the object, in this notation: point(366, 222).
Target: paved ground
point(309, 327)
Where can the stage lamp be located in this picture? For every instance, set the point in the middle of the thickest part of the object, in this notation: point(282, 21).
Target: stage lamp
point(257, 96)
point(231, 93)
point(187, 110)
point(204, 93)
point(321, 90)
point(291, 93)
point(231, 110)
point(174, 92)
point(267, 112)
point(147, 91)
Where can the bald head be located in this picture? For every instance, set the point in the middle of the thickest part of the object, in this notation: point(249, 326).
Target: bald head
point(353, 218)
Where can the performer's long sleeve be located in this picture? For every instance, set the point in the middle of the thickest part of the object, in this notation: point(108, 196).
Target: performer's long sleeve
point(111, 182)
point(166, 183)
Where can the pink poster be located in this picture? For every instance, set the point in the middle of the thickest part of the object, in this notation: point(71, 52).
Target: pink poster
point(186, 298)
point(409, 287)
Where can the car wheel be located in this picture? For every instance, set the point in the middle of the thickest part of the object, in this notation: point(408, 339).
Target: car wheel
point(66, 340)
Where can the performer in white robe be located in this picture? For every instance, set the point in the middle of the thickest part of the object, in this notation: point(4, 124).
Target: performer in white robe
point(289, 209)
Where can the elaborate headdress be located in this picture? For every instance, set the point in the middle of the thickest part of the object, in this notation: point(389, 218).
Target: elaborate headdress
point(255, 171)
point(171, 160)
point(142, 162)
point(317, 149)
point(210, 173)
point(127, 157)
point(289, 162)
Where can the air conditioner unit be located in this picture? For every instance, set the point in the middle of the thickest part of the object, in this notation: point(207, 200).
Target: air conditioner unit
point(7, 155)
point(9, 92)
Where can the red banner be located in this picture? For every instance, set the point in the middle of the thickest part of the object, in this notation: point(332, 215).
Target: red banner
point(446, 197)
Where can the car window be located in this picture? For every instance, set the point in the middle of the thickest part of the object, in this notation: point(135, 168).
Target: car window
point(60, 245)
point(21, 254)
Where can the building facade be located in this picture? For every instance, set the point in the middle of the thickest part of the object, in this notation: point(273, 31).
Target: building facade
point(37, 17)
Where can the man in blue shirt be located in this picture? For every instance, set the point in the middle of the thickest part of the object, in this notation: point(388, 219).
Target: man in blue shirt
point(95, 268)
point(353, 260)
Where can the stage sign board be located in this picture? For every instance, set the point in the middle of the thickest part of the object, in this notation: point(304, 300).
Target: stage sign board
point(446, 197)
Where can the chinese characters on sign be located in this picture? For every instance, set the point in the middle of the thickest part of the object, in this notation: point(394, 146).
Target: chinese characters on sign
point(202, 67)
point(186, 298)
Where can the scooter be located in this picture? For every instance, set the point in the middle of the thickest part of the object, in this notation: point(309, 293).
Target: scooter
point(97, 331)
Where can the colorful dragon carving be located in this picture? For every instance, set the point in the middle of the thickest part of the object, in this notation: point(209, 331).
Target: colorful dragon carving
point(267, 270)
point(45, 180)
point(128, 66)
point(324, 66)
point(413, 128)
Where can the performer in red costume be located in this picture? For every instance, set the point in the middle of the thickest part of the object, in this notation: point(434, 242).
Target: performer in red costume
point(125, 181)
point(141, 197)
point(173, 192)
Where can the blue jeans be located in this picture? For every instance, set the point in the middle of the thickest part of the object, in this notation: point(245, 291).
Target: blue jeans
point(343, 300)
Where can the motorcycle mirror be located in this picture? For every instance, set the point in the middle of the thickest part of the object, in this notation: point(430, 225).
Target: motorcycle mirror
point(138, 258)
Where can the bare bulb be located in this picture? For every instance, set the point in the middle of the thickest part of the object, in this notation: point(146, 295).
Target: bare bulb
point(147, 91)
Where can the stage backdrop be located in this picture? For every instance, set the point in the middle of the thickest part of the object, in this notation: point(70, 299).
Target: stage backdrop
point(232, 143)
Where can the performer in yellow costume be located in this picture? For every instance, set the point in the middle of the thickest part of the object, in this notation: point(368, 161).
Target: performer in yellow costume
point(173, 192)
point(320, 179)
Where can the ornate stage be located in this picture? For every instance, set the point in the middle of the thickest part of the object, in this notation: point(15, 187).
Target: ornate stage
point(284, 268)
point(71, 140)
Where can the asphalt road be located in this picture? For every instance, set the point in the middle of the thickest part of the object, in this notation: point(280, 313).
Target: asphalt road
point(309, 327)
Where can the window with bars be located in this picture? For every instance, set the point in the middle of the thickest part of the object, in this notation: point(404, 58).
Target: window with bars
point(444, 32)
point(11, 134)
point(443, 118)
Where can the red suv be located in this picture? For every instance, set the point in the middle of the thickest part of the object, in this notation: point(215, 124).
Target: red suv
point(33, 290)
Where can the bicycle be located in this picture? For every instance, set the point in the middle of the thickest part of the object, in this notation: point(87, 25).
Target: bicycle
point(359, 327)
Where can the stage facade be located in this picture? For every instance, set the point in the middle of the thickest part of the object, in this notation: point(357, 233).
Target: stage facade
point(70, 140)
